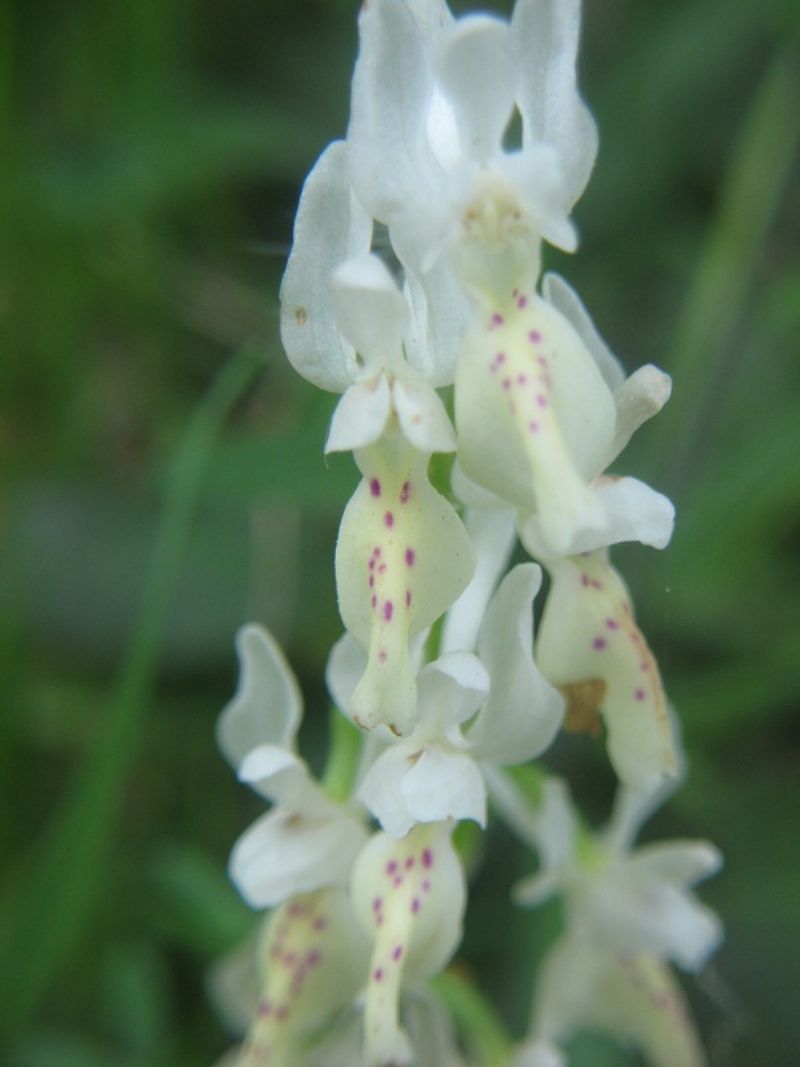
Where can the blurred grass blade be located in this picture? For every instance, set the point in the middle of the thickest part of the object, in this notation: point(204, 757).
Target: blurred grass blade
point(50, 906)
point(705, 348)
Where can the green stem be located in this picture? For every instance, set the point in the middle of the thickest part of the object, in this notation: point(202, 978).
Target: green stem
point(49, 910)
point(344, 749)
point(475, 1018)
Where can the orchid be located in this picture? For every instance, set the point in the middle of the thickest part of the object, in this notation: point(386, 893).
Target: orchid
point(306, 841)
point(543, 408)
point(628, 913)
point(402, 558)
point(432, 98)
point(409, 896)
point(590, 646)
point(348, 328)
point(436, 665)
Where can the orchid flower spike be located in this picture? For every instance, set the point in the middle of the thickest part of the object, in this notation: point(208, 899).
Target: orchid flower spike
point(628, 914)
point(306, 841)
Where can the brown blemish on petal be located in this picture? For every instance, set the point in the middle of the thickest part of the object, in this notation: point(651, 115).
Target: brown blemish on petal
point(583, 701)
point(301, 316)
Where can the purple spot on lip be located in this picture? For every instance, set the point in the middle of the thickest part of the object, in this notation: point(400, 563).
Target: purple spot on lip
point(415, 905)
point(522, 302)
point(535, 336)
point(375, 487)
point(496, 320)
point(426, 885)
point(541, 400)
point(397, 952)
point(377, 904)
point(408, 598)
point(398, 880)
point(391, 866)
point(584, 580)
point(427, 858)
point(409, 863)
point(320, 923)
point(599, 643)
point(612, 624)
point(410, 557)
point(405, 492)
point(533, 426)
point(521, 379)
point(639, 694)
point(377, 974)
point(388, 518)
point(388, 610)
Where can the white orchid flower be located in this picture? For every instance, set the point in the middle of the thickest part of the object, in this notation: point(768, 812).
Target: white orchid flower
point(590, 646)
point(309, 962)
point(348, 328)
point(628, 914)
point(402, 558)
point(431, 102)
point(542, 410)
point(409, 896)
point(306, 841)
point(439, 770)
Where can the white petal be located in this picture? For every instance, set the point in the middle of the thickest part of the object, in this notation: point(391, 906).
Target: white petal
point(313, 958)
point(330, 227)
point(635, 512)
point(274, 772)
point(560, 295)
point(439, 313)
point(638, 1001)
point(391, 164)
point(590, 646)
point(451, 689)
point(360, 416)
point(545, 40)
point(637, 399)
point(445, 785)
point(532, 413)
point(267, 707)
point(476, 72)
point(681, 862)
point(381, 790)
point(423, 417)
point(370, 310)
point(555, 832)
point(409, 895)
point(402, 558)
point(631, 510)
point(284, 853)
point(645, 916)
point(232, 985)
point(523, 712)
point(346, 664)
point(493, 534)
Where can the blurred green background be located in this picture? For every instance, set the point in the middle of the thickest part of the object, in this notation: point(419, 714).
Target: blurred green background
point(163, 481)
